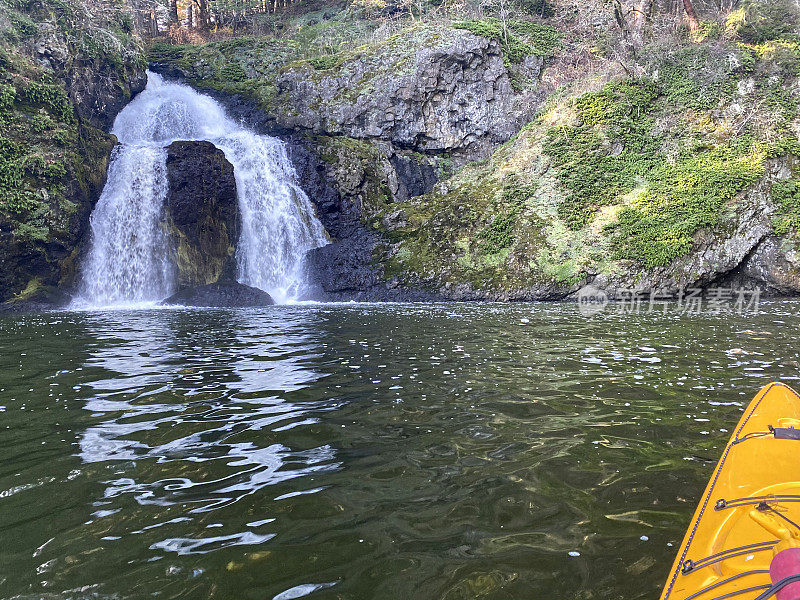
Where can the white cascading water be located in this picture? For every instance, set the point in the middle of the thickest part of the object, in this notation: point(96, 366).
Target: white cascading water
point(128, 261)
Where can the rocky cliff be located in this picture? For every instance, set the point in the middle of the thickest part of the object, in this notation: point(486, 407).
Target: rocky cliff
point(436, 90)
point(486, 158)
point(66, 69)
point(668, 167)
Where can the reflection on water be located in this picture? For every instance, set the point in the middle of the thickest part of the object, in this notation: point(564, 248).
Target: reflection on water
point(205, 399)
point(358, 451)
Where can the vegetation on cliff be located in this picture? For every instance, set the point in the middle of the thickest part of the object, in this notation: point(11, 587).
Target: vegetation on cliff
point(624, 139)
point(621, 180)
point(55, 56)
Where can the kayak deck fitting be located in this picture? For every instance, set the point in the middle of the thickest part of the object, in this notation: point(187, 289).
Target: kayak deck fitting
point(749, 510)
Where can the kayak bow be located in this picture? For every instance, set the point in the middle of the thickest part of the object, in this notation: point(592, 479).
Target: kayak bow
point(744, 538)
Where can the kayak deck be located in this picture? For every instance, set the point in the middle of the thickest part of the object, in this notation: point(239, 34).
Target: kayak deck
point(726, 553)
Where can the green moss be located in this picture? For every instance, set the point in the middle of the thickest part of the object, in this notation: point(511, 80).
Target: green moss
point(608, 153)
point(518, 39)
point(541, 39)
point(499, 234)
point(468, 235)
point(615, 150)
point(41, 123)
point(161, 52)
point(709, 30)
point(50, 96)
point(682, 198)
point(8, 95)
point(232, 72)
point(539, 8)
point(33, 286)
point(30, 159)
point(23, 26)
point(784, 145)
point(786, 195)
point(32, 231)
point(323, 63)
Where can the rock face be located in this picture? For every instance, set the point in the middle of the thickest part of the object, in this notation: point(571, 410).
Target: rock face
point(202, 212)
point(432, 90)
point(67, 71)
point(222, 295)
point(99, 86)
point(351, 186)
point(456, 97)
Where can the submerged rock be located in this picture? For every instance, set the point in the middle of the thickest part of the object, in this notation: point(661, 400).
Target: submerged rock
point(202, 213)
point(227, 294)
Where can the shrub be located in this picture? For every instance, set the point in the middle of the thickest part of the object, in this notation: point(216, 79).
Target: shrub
point(499, 234)
point(41, 123)
point(8, 94)
point(786, 195)
point(539, 8)
point(323, 63)
point(50, 96)
point(758, 21)
point(233, 71)
point(518, 40)
point(163, 52)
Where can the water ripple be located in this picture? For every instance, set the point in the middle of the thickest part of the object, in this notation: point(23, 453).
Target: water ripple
point(427, 451)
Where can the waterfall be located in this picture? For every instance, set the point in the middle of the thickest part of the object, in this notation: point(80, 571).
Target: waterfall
point(128, 260)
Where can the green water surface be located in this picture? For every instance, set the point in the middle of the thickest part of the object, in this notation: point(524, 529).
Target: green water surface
point(431, 451)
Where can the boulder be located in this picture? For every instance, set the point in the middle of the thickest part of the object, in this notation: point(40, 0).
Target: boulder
point(202, 213)
point(226, 294)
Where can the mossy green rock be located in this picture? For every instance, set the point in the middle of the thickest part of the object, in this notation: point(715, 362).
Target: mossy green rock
point(433, 89)
point(66, 68)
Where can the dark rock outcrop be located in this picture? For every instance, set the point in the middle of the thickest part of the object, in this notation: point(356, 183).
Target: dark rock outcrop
point(202, 213)
point(98, 85)
point(351, 182)
point(223, 294)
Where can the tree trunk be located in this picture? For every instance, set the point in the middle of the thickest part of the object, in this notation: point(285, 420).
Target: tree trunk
point(173, 11)
point(644, 11)
point(201, 14)
point(694, 23)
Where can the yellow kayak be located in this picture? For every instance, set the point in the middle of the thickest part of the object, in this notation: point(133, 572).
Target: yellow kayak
point(747, 519)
